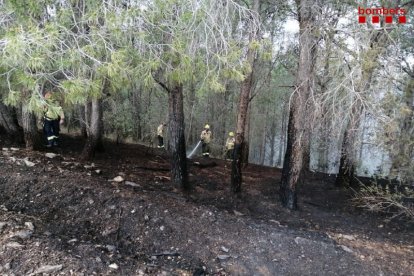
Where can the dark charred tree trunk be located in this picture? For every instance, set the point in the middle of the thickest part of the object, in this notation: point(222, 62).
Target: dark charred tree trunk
point(176, 136)
point(246, 142)
point(291, 169)
point(236, 172)
point(31, 135)
point(347, 163)
point(9, 123)
point(346, 167)
point(176, 131)
point(292, 165)
point(242, 116)
point(306, 152)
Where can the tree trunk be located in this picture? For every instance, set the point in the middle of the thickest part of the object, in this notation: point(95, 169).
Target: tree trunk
point(246, 142)
point(8, 121)
point(272, 144)
point(282, 138)
point(176, 136)
point(82, 111)
point(95, 125)
point(325, 79)
point(306, 151)
point(94, 131)
point(323, 149)
point(292, 165)
point(31, 134)
point(236, 173)
point(361, 145)
point(402, 156)
point(263, 143)
point(377, 45)
point(242, 116)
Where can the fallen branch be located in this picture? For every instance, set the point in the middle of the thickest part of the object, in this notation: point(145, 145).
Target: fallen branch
point(205, 164)
point(162, 177)
point(153, 169)
point(166, 254)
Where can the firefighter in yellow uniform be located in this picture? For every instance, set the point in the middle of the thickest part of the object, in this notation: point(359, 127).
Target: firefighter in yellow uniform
point(160, 135)
point(230, 145)
point(205, 140)
point(53, 116)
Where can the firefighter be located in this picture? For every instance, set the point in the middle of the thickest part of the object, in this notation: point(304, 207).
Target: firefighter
point(230, 145)
point(205, 140)
point(160, 135)
point(53, 116)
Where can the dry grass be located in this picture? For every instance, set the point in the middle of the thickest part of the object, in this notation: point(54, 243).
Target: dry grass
point(382, 200)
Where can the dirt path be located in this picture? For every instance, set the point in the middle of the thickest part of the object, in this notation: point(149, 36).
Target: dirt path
point(66, 217)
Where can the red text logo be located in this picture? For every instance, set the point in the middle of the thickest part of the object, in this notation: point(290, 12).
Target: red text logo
point(387, 15)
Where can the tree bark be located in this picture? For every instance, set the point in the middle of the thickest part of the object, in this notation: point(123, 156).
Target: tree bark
point(292, 165)
point(236, 173)
point(82, 111)
point(263, 142)
point(306, 151)
point(246, 142)
point(242, 116)
point(95, 126)
point(323, 155)
point(176, 136)
point(282, 137)
point(94, 131)
point(347, 163)
point(8, 121)
point(404, 147)
point(31, 135)
point(272, 144)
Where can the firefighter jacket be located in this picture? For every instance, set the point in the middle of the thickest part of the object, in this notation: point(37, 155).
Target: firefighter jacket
point(160, 130)
point(230, 143)
point(206, 136)
point(52, 111)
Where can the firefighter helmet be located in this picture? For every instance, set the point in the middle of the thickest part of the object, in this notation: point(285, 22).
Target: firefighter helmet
point(207, 126)
point(231, 133)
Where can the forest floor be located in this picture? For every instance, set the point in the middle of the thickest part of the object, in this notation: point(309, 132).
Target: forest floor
point(61, 216)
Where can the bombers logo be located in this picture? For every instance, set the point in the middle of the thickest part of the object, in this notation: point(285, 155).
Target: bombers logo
point(388, 15)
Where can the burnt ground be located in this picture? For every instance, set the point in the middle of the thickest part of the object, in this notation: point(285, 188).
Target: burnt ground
point(61, 216)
